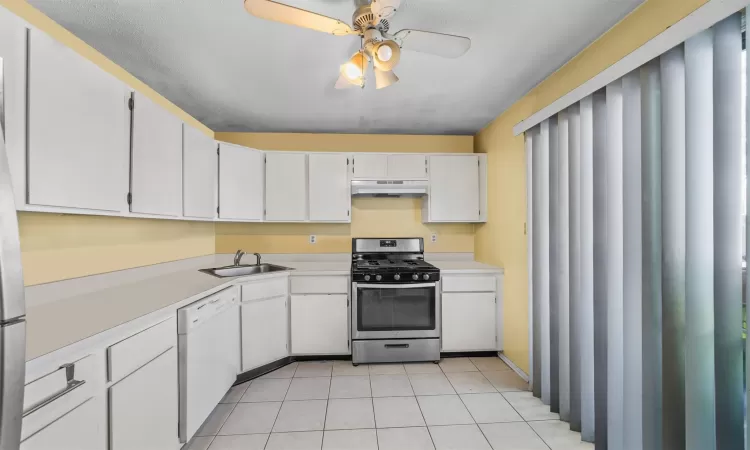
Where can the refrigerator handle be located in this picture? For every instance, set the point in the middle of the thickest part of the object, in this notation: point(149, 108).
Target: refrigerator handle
point(12, 307)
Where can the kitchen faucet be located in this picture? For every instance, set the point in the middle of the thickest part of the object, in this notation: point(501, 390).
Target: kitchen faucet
point(240, 253)
point(238, 257)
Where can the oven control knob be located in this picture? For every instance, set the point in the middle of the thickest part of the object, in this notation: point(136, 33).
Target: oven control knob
point(415, 277)
point(426, 277)
point(397, 277)
point(378, 277)
point(367, 277)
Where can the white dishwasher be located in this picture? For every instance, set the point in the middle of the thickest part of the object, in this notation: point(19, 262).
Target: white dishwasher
point(209, 356)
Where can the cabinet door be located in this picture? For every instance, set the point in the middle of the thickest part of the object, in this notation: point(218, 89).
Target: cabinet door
point(13, 67)
point(240, 183)
point(73, 431)
point(200, 167)
point(78, 130)
point(329, 188)
point(286, 186)
point(407, 167)
point(370, 165)
point(454, 189)
point(320, 324)
point(468, 321)
point(156, 161)
point(143, 407)
point(264, 332)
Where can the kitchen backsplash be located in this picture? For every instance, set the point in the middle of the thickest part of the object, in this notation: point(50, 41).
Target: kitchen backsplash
point(371, 217)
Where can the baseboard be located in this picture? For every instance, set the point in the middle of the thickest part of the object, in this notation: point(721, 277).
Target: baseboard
point(270, 367)
point(515, 368)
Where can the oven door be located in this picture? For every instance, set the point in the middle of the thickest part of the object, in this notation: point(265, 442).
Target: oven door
point(395, 311)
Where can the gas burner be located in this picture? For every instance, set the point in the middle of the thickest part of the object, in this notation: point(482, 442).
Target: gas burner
point(391, 261)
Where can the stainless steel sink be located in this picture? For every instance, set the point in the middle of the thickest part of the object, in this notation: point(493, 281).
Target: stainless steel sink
point(243, 270)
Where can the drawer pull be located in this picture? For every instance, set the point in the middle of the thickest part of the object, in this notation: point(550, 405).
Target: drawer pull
point(72, 385)
point(396, 345)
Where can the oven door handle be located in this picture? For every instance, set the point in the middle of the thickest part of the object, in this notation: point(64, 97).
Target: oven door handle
point(396, 286)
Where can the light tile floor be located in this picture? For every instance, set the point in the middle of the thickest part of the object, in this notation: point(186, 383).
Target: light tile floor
point(461, 404)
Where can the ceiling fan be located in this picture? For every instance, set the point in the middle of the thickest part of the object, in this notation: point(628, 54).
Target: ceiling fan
point(370, 23)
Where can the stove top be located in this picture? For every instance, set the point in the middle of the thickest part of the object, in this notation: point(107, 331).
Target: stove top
point(391, 261)
point(393, 264)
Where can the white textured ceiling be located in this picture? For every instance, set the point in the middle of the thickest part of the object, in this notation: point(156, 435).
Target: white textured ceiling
point(235, 72)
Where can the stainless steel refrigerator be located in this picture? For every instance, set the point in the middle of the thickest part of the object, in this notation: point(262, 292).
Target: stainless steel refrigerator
point(12, 305)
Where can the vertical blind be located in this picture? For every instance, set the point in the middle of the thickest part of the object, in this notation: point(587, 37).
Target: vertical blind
point(637, 253)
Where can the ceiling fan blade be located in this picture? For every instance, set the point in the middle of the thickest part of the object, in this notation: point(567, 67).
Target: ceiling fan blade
point(384, 78)
point(446, 45)
point(279, 12)
point(384, 8)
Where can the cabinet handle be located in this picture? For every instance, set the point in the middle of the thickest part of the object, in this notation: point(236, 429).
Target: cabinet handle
point(72, 385)
point(396, 345)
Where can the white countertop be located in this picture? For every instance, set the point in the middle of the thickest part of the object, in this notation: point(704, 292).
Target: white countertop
point(449, 266)
point(62, 313)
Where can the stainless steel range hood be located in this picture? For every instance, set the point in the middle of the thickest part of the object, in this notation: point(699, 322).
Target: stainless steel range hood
point(389, 188)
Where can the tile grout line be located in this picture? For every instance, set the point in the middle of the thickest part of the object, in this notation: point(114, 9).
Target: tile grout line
point(525, 421)
point(429, 433)
point(325, 415)
point(476, 424)
point(291, 380)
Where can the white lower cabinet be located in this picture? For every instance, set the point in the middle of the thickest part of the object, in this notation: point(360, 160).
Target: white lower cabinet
point(264, 331)
point(320, 324)
point(468, 321)
point(143, 407)
point(70, 432)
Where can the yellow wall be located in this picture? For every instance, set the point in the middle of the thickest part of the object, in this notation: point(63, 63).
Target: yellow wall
point(502, 240)
point(370, 216)
point(57, 247)
point(389, 143)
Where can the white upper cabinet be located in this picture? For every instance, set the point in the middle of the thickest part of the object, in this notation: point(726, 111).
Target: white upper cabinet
point(329, 187)
point(454, 189)
point(13, 66)
point(240, 183)
point(78, 130)
point(199, 172)
point(286, 186)
point(156, 162)
point(370, 165)
point(407, 167)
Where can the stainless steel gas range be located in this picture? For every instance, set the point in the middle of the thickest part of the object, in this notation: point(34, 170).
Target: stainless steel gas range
point(395, 302)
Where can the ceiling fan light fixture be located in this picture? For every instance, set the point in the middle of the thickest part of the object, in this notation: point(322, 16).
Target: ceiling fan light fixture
point(354, 69)
point(384, 78)
point(386, 55)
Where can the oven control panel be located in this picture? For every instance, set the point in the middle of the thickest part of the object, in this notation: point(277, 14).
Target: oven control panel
point(396, 277)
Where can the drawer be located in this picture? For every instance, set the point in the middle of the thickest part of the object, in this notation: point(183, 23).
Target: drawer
point(320, 285)
point(469, 283)
point(52, 396)
point(258, 290)
point(132, 353)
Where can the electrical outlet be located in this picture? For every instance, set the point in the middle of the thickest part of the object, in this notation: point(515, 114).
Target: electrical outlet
point(313, 239)
point(433, 238)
